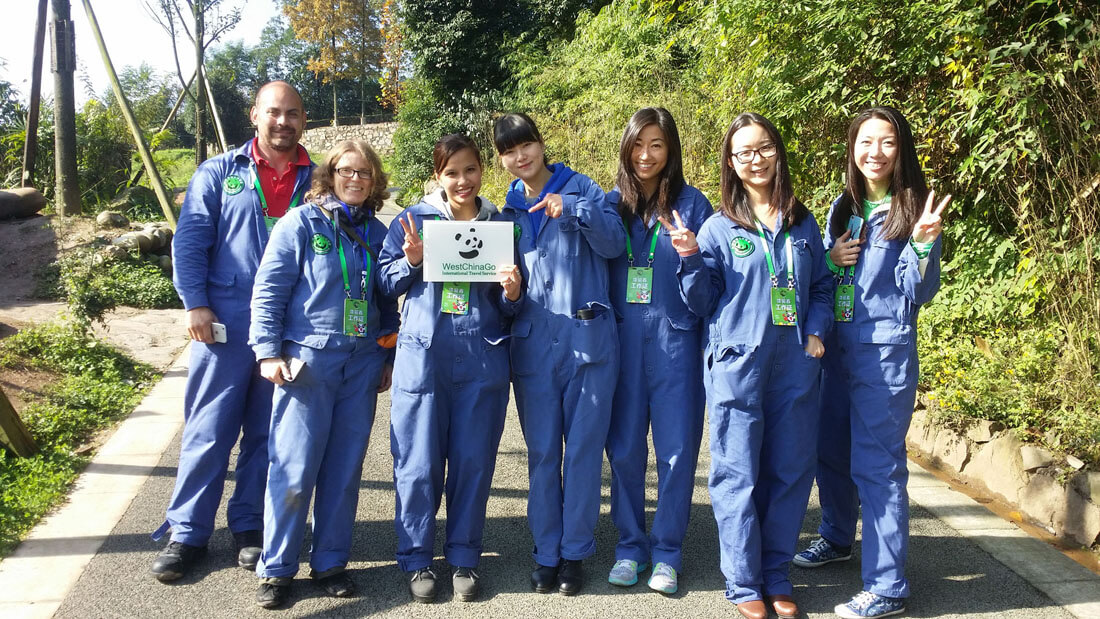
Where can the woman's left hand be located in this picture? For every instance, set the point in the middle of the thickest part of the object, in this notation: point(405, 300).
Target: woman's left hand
point(930, 224)
point(512, 281)
point(387, 378)
point(552, 204)
point(814, 347)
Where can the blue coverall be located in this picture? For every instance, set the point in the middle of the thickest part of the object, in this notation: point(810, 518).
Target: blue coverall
point(564, 368)
point(660, 383)
point(449, 399)
point(870, 386)
point(320, 423)
point(762, 393)
point(216, 250)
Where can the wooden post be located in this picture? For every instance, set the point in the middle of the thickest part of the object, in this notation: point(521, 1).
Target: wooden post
point(214, 112)
point(67, 196)
point(139, 138)
point(176, 107)
point(30, 143)
point(13, 434)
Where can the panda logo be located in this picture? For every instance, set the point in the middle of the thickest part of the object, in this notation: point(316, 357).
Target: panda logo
point(471, 245)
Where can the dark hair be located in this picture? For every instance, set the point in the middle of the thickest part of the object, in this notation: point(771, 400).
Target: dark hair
point(322, 174)
point(632, 198)
point(907, 185)
point(448, 146)
point(735, 198)
point(514, 129)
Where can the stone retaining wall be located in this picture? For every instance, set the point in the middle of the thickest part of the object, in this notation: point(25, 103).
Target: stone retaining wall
point(378, 135)
point(1054, 492)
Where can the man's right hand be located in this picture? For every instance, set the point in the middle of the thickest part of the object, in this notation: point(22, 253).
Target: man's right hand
point(199, 320)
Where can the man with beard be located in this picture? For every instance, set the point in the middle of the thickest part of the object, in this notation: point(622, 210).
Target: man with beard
point(232, 202)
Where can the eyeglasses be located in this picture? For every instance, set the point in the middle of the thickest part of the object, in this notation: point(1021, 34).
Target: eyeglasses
point(766, 151)
point(352, 172)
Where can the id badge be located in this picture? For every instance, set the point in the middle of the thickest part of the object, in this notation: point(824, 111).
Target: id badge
point(269, 222)
point(355, 317)
point(639, 284)
point(845, 302)
point(784, 312)
point(456, 298)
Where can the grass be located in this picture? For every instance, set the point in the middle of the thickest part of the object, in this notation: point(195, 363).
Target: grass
point(95, 385)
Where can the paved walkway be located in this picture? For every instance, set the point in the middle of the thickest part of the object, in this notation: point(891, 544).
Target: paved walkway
point(91, 558)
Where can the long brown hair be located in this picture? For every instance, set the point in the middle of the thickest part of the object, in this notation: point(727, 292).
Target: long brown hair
point(322, 175)
point(632, 198)
point(908, 187)
point(735, 198)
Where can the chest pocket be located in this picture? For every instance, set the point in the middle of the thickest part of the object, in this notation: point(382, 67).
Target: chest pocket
point(568, 238)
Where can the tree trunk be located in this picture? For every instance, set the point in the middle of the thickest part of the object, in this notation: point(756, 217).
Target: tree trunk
point(335, 118)
point(30, 143)
point(67, 196)
point(197, 9)
point(13, 434)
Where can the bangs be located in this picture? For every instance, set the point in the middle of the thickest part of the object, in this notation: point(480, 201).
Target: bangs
point(511, 130)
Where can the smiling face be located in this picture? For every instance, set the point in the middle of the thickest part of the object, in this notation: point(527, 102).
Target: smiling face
point(759, 172)
point(352, 191)
point(876, 154)
point(461, 179)
point(279, 117)
point(649, 157)
point(525, 161)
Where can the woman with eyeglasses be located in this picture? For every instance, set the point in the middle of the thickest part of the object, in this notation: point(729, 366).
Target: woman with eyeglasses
point(320, 327)
point(757, 273)
point(885, 273)
point(657, 332)
point(450, 380)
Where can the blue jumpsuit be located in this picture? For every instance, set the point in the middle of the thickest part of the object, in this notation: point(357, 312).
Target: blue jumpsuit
point(320, 423)
point(660, 383)
point(870, 385)
point(449, 399)
point(762, 393)
point(216, 250)
point(564, 368)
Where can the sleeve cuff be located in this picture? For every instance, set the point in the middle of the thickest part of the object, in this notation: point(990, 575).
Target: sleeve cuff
point(267, 351)
point(568, 205)
point(922, 249)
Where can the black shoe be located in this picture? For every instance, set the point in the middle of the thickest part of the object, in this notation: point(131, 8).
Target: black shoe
point(175, 560)
point(465, 584)
point(249, 545)
point(544, 578)
point(570, 577)
point(272, 595)
point(422, 585)
point(338, 585)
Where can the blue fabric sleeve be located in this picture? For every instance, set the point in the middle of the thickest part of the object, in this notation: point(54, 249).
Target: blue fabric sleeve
point(275, 280)
point(919, 290)
point(820, 318)
point(599, 223)
point(395, 274)
point(195, 237)
point(700, 275)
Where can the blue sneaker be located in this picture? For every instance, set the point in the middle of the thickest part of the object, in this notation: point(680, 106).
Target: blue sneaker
point(867, 604)
point(663, 579)
point(820, 552)
point(625, 572)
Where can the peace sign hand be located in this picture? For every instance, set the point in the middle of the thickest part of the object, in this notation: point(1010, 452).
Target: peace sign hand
point(930, 224)
point(414, 246)
point(683, 239)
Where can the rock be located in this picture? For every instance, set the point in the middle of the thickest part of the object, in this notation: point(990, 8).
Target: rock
point(983, 431)
point(178, 195)
point(919, 429)
point(112, 219)
point(1080, 520)
point(161, 238)
point(114, 252)
point(128, 242)
point(166, 265)
point(145, 241)
point(1076, 463)
point(1044, 501)
point(137, 196)
point(998, 466)
point(21, 202)
point(1035, 457)
point(1088, 484)
point(951, 449)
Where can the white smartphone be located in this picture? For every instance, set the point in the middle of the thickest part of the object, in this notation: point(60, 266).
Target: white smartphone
point(855, 226)
point(219, 332)
point(295, 364)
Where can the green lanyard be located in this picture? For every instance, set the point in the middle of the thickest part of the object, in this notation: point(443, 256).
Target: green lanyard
point(768, 256)
point(630, 250)
point(344, 264)
point(263, 201)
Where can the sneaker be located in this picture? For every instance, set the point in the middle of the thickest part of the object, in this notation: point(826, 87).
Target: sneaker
point(465, 584)
point(625, 572)
point(820, 552)
point(249, 545)
point(175, 561)
point(272, 594)
point(422, 585)
point(867, 604)
point(663, 578)
point(338, 585)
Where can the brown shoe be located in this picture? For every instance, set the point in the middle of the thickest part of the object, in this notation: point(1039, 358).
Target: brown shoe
point(783, 605)
point(754, 609)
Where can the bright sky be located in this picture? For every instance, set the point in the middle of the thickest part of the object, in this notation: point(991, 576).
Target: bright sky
point(131, 35)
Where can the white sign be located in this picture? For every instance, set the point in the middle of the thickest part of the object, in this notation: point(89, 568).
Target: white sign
point(466, 251)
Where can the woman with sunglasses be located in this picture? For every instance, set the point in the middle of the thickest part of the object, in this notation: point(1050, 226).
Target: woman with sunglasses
point(757, 273)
